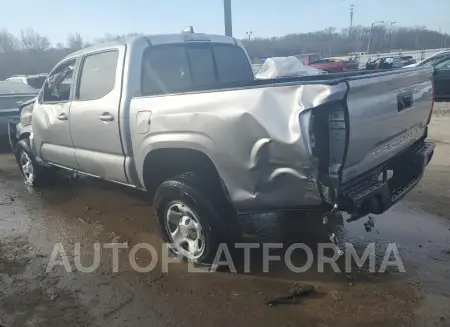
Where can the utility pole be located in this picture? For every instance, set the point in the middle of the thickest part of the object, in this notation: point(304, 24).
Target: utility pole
point(227, 17)
point(390, 36)
point(352, 9)
point(370, 35)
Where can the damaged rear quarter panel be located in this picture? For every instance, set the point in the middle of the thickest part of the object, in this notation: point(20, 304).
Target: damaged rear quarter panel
point(253, 136)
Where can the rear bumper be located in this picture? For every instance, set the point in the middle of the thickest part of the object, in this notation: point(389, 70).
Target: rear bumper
point(380, 188)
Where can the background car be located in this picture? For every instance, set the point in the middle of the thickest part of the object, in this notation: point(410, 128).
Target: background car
point(407, 60)
point(308, 58)
point(441, 78)
point(35, 81)
point(385, 63)
point(12, 96)
point(332, 65)
point(437, 56)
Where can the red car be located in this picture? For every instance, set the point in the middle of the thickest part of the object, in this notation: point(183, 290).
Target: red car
point(335, 65)
point(308, 58)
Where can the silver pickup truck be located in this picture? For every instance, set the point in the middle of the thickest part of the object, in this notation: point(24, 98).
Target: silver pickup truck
point(182, 117)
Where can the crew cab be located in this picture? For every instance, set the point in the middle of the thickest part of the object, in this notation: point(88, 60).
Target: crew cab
point(181, 117)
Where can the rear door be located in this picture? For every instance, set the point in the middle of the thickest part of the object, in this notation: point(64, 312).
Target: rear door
point(94, 115)
point(442, 79)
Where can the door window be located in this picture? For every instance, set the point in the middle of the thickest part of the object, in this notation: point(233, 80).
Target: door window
point(443, 65)
point(59, 83)
point(97, 75)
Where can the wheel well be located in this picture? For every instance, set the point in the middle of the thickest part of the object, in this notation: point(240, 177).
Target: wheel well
point(162, 164)
point(24, 135)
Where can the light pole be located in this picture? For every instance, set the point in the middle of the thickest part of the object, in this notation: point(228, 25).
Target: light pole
point(370, 35)
point(249, 34)
point(227, 17)
point(390, 36)
point(419, 30)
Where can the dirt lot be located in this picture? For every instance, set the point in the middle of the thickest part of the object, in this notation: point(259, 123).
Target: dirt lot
point(87, 211)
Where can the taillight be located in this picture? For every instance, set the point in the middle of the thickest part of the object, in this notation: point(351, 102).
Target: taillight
point(432, 102)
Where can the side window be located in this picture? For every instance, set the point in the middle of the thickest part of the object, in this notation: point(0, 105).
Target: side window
point(59, 83)
point(314, 58)
point(165, 69)
point(443, 65)
point(97, 75)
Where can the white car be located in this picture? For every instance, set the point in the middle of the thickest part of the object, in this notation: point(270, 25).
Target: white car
point(35, 81)
point(434, 57)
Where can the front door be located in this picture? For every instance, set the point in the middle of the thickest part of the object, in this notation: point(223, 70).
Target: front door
point(94, 115)
point(51, 132)
point(442, 79)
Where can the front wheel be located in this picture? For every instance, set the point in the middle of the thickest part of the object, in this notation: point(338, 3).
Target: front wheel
point(33, 174)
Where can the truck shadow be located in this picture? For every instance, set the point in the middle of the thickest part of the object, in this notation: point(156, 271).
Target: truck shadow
point(295, 246)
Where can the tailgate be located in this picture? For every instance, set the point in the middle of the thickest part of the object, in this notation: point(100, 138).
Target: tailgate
point(387, 113)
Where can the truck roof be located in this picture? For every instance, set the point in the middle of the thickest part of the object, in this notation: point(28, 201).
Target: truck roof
point(158, 40)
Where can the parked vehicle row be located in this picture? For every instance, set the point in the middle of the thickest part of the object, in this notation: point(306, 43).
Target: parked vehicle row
point(389, 62)
point(182, 117)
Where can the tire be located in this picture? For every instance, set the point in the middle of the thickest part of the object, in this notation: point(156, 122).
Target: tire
point(33, 174)
point(185, 202)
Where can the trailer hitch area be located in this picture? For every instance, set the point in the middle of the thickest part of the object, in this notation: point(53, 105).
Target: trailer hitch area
point(332, 220)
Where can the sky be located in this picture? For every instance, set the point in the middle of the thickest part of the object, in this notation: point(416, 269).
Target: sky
point(264, 18)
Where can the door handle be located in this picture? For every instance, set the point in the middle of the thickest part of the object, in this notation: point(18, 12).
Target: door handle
point(62, 116)
point(106, 116)
point(404, 101)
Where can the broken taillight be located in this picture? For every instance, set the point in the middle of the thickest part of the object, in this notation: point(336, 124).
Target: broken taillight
point(432, 102)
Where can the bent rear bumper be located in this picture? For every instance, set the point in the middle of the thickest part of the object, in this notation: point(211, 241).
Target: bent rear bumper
point(379, 189)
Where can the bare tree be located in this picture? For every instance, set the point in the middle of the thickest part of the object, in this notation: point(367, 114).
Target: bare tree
point(34, 41)
point(75, 42)
point(8, 42)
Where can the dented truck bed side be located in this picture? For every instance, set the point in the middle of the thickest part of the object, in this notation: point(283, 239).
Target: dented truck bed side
point(292, 143)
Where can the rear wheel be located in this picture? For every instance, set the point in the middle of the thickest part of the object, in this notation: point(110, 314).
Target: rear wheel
point(33, 174)
point(194, 217)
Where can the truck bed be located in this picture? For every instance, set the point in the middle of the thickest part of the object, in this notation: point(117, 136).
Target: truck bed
point(293, 142)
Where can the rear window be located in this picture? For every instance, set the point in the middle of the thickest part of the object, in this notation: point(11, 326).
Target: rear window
point(232, 64)
point(202, 66)
point(188, 67)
